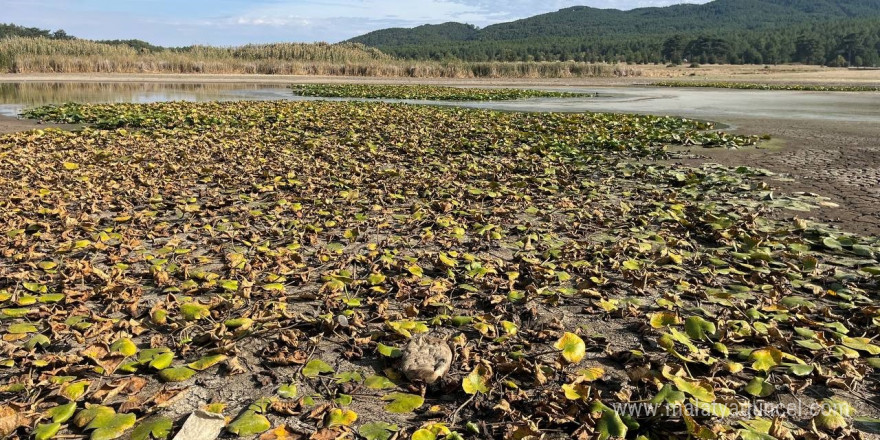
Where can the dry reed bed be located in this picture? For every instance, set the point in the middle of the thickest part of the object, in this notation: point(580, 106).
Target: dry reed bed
point(36, 55)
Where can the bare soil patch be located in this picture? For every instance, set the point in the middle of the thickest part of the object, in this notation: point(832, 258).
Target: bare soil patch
point(833, 159)
point(15, 125)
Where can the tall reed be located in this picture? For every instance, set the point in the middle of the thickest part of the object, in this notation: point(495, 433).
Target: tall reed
point(40, 55)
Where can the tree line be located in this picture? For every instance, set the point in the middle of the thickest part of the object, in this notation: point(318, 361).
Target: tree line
point(834, 43)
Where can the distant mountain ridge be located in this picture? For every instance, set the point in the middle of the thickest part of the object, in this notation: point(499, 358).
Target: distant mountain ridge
point(583, 30)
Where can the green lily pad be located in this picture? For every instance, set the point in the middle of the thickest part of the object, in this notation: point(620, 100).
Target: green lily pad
point(45, 431)
point(402, 403)
point(178, 374)
point(249, 423)
point(207, 362)
point(760, 388)
point(157, 427)
point(111, 427)
point(315, 368)
point(378, 430)
point(62, 413)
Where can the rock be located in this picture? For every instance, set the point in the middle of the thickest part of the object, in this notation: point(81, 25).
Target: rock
point(201, 425)
point(426, 359)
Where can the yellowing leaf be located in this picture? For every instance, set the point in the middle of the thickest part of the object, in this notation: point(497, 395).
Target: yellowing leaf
point(376, 279)
point(575, 391)
point(861, 344)
point(632, 265)
point(124, 346)
point(424, 434)
point(17, 329)
point(288, 391)
point(45, 431)
point(701, 391)
point(338, 417)
point(207, 362)
point(416, 271)
point(403, 403)
point(664, 319)
point(70, 166)
point(62, 413)
point(477, 381)
point(610, 425)
point(377, 430)
point(74, 390)
point(388, 351)
point(276, 287)
point(157, 427)
point(194, 311)
point(178, 374)
point(592, 374)
point(239, 323)
point(249, 423)
point(448, 262)
point(406, 327)
point(315, 368)
point(833, 414)
point(572, 346)
point(90, 413)
point(111, 427)
point(766, 358)
point(758, 387)
point(378, 383)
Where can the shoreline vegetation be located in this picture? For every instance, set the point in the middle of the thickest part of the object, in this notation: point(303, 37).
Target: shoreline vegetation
point(755, 86)
point(42, 55)
point(424, 92)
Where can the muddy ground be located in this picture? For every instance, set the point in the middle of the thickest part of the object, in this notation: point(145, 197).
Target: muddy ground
point(833, 159)
point(14, 125)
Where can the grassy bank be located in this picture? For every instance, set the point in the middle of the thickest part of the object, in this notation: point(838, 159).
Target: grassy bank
point(39, 55)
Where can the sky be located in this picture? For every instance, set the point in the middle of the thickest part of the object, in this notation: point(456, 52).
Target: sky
point(235, 22)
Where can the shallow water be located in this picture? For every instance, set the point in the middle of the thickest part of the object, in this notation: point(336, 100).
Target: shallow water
point(16, 97)
point(714, 104)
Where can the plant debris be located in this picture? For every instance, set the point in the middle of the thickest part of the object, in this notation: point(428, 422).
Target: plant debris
point(425, 92)
point(176, 257)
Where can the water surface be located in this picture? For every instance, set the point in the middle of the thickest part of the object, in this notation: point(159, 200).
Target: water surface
point(701, 103)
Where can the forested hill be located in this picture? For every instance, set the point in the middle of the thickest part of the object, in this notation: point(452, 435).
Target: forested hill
point(736, 31)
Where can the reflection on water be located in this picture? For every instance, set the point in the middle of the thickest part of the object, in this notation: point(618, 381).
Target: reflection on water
point(15, 97)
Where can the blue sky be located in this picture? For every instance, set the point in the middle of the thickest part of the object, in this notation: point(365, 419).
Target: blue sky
point(233, 22)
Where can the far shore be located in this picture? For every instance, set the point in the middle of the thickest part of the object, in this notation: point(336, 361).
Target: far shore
point(782, 74)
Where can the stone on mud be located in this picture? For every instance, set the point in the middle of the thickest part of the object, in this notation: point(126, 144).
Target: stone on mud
point(201, 425)
point(426, 359)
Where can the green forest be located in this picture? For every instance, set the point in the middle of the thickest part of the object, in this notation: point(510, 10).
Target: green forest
point(834, 33)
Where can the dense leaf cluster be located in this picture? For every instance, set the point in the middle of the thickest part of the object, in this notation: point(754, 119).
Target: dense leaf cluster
point(424, 92)
point(276, 257)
